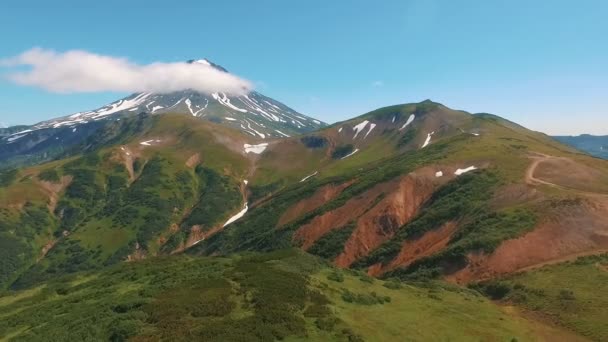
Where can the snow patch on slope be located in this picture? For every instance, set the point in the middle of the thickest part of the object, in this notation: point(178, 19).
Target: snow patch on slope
point(461, 171)
point(224, 100)
point(237, 216)
point(118, 106)
point(428, 140)
point(408, 122)
point(149, 142)
point(257, 149)
point(281, 133)
point(311, 175)
point(350, 154)
point(358, 128)
point(371, 126)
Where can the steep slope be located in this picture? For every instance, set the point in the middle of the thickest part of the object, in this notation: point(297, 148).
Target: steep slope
point(253, 113)
point(401, 191)
point(141, 184)
point(421, 189)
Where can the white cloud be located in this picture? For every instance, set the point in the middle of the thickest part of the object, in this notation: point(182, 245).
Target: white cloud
point(81, 71)
point(377, 84)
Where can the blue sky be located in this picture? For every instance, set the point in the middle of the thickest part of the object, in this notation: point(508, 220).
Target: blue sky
point(543, 64)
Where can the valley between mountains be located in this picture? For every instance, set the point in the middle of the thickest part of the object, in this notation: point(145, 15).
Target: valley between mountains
point(412, 220)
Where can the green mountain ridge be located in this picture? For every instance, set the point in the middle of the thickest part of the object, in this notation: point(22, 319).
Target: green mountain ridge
point(413, 196)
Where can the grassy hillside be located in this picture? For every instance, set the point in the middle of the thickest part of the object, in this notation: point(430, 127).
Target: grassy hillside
point(123, 198)
point(571, 294)
point(283, 295)
point(479, 203)
point(415, 193)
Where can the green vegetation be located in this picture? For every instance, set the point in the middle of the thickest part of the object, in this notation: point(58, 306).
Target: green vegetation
point(257, 230)
point(7, 177)
point(49, 175)
point(312, 141)
point(113, 210)
point(342, 151)
point(219, 196)
point(103, 219)
point(330, 245)
point(407, 137)
point(19, 233)
point(571, 294)
point(364, 298)
point(260, 297)
point(465, 201)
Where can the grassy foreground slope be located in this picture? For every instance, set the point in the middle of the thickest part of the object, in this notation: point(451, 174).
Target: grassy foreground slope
point(261, 297)
point(572, 294)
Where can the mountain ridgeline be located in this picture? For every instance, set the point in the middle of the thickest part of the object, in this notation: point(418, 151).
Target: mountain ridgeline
point(339, 217)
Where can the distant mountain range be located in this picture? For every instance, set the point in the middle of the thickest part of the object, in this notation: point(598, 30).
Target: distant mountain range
point(595, 145)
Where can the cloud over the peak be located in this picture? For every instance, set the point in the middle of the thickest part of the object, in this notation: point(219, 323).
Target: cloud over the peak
point(81, 71)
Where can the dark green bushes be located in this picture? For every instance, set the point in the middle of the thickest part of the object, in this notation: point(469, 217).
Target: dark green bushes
point(342, 151)
point(219, 195)
point(363, 298)
point(7, 177)
point(330, 245)
point(49, 175)
point(312, 141)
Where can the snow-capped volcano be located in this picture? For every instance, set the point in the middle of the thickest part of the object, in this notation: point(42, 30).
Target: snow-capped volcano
point(252, 113)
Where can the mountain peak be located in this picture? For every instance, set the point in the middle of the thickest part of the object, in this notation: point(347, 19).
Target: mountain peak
point(207, 62)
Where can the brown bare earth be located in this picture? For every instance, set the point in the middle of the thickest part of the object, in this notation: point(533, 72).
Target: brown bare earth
point(307, 234)
point(570, 227)
point(380, 223)
point(46, 248)
point(429, 243)
point(377, 219)
point(567, 232)
point(566, 174)
point(54, 189)
point(197, 235)
point(515, 194)
point(320, 197)
point(127, 156)
point(193, 160)
point(545, 328)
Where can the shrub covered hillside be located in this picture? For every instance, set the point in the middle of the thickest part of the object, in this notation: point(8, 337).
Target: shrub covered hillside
point(150, 223)
point(114, 203)
point(260, 297)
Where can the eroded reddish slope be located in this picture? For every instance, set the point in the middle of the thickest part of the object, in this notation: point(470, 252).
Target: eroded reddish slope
point(378, 212)
point(307, 234)
point(381, 222)
point(431, 242)
point(569, 230)
point(321, 196)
